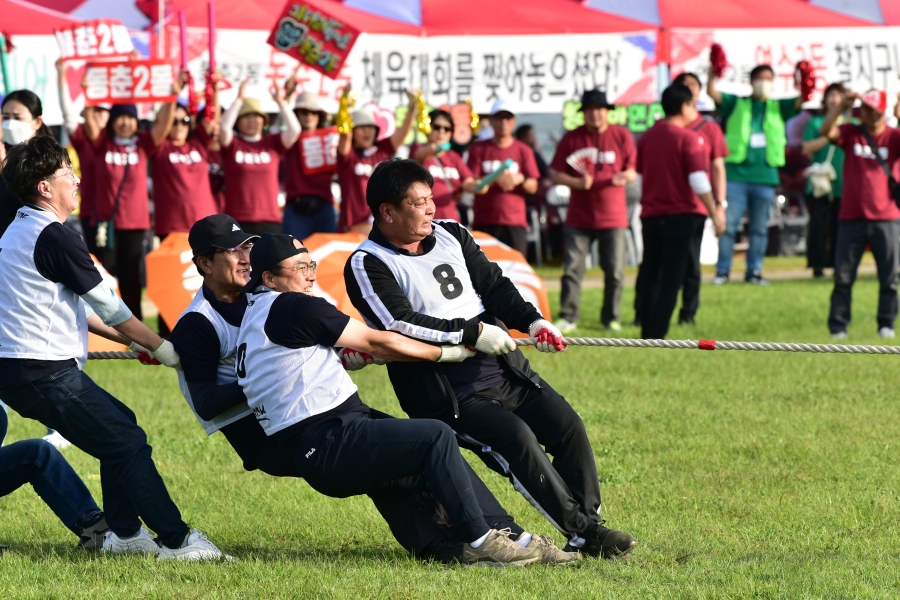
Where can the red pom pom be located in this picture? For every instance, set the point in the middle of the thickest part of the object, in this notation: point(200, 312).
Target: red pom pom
point(717, 60)
point(805, 78)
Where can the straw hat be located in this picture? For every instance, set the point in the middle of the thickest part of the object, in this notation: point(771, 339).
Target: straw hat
point(252, 106)
point(309, 101)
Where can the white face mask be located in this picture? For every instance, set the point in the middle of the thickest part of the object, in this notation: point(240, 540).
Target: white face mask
point(762, 88)
point(16, 132)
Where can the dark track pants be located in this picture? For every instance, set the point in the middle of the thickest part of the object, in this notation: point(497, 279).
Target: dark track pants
point(507, 425)
point(690, 293)
point(357, 454)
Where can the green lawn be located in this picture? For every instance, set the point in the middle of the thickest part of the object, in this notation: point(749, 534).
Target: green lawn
point(741, 475)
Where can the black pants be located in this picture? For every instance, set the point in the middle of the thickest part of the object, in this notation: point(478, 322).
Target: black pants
point(356, 454)
point(512, 427)
point(667, 246)
point(106, 257)
point(690, 293)
point(514, 237)
point(417, 520)
point(884, 239)
point(821, 237)
point(261, 228)
point(97, 423)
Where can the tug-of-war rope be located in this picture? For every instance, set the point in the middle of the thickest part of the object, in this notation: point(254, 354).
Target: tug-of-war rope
point(669, 344)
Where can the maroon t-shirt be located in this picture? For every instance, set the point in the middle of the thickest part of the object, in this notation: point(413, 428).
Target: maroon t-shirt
point(498, 207)
point(354, 171)
point(866, 194)
point(666, 156)
point(181, 191)
point(713, 139)
point(133, 210)
point(454, 170)
point(298, 184)
point(603, 206)
point(87, 158)
point(251, 179)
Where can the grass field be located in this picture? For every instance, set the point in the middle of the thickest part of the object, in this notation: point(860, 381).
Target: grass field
point(741, 475)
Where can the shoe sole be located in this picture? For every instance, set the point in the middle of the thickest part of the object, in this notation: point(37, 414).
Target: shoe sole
point(622, 554)
point(140, 549)
point(500, 565)
point(194, 555)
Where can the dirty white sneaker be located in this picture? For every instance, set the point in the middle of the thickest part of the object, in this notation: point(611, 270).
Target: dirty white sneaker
point(839, 335)
point(57, 440)
point(141, 543)
point(886, 333)
point(550, 553)
point(565, 326)
point(498, 550)
point(195, 547)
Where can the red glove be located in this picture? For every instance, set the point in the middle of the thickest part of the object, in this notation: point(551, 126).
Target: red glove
point(547, 337)
point(143, 355)
point(717, 60)
point(354, 360)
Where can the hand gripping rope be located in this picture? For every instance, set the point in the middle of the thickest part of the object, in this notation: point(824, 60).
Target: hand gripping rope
point(668, 344)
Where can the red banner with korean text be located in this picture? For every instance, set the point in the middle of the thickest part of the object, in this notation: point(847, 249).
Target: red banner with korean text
point(313, 37)
point(103, 38)
point(129, 82)
point(318, 150)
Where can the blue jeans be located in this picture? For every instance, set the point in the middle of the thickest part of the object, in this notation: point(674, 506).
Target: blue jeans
point(755, 200)
point(94, 421)
point(303, 226)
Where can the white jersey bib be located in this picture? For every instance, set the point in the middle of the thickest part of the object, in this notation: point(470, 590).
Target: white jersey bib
point(227, 335)
point(39, 319)
point(286, 385)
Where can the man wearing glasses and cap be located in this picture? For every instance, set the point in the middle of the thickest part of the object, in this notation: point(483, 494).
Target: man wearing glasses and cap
point(500, 207)
point(869, 213)
point(207, 333)
point(595, 160)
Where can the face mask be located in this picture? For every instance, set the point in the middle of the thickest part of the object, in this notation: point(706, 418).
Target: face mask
point(762, 88)
point(16, 132)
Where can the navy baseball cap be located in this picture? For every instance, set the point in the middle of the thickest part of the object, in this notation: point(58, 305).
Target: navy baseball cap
point(267, 252)
point(217, 231)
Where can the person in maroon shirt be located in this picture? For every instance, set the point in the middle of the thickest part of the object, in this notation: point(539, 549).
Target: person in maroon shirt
point(358, 153)
point(868, 213)
point(250, 160)
point(310, 203)
point(595, 161)
point(676, 198)
point(122, 208)
point(500, 207)
point(451, 174)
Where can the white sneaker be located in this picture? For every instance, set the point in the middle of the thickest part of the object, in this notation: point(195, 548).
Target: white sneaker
point(719, 279)
point(142, 543)
point(839, 335)
point(57, 440)
point(886, 333)
point(195, 547)
point(565, 326)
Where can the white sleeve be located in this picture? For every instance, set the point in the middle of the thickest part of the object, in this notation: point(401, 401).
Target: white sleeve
point(699, 182)
point(107, 305)
point(291, 126)
point(228, 120)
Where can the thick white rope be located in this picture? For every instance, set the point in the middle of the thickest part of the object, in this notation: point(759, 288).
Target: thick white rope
point(632, 343)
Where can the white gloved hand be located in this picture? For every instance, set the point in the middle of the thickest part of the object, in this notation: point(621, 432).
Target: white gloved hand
point(457, 353)
point(354, 360)
point(547, 337)
point(144, 356)
point(166, 355)
point(494, 340)
point(135, 347)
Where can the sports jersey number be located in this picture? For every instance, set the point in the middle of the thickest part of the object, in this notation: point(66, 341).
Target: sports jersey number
point(451, 287)
point(239, 361)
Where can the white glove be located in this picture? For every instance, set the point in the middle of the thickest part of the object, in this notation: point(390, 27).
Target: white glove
point(547, 337)
point(166, 355)
point(457, 353)
point(354, 360)
point(144, 356)
point(135, 347)
point(494, 340)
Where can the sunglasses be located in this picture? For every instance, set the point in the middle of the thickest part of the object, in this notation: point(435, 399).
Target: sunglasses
point(441, 128)
point(182, 121)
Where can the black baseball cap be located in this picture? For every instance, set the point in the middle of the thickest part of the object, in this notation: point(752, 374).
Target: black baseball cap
point(595, 97)
point(217, 231)
point(270, 250)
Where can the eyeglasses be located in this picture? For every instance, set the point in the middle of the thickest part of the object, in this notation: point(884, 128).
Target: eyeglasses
point(441, 128)
point(239, 250)
point(303, 267)
point(186, 121)
point(69, 173)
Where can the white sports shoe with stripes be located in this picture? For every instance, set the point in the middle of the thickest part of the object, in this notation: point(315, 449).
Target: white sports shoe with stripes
point(142, 543)
point(195, 547)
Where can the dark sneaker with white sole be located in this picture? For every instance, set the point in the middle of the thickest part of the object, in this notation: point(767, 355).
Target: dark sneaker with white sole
point(93, 536)
point(604, 542)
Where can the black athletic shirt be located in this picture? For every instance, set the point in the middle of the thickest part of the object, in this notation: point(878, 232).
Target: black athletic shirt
point(61, 257)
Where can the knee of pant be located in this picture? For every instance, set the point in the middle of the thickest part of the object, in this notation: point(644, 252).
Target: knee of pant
point(759, 227)
point(520, 435)
point(37, 452)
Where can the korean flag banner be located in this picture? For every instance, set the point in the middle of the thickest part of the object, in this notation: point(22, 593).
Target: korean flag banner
point(313, 37)
point(129, 82)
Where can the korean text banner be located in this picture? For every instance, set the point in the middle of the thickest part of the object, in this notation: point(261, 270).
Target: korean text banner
point(313, 37)
point(103, 38)
point(318, 150)
point(129, 82)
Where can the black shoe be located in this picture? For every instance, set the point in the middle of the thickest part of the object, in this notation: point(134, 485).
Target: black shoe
point(92, 536)
point(818, 273)
point(686, 320)
point(604, 542)
point(756, 278)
